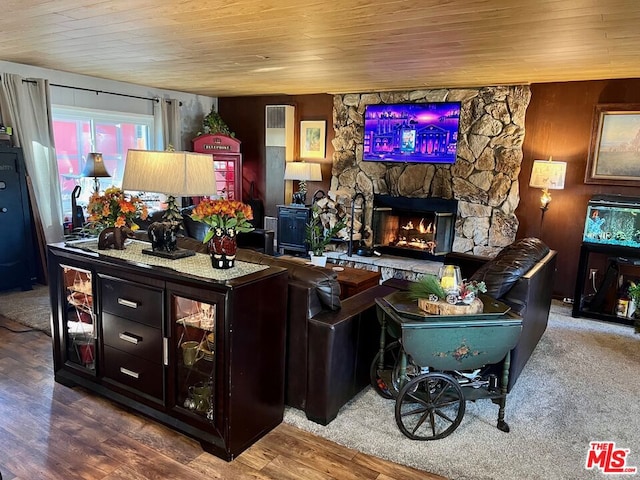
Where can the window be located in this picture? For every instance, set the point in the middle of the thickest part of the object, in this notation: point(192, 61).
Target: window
point(79, 131)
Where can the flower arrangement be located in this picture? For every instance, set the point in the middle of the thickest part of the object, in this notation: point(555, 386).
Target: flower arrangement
point(115, 209)
point(429, 287)
point(223, 214)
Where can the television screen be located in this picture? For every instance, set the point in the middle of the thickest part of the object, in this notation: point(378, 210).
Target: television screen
point(411, 132)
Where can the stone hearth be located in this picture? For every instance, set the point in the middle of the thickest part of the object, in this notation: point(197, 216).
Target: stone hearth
point(389, 266)
point(484, 178)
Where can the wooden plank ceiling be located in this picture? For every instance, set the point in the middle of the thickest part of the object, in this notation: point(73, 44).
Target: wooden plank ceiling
point(245, 47)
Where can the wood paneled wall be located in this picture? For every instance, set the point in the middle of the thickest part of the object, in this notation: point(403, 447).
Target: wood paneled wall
point(246, 117)
point(558, 124)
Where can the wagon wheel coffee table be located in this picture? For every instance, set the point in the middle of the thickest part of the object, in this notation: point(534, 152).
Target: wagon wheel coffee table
point(432, 364)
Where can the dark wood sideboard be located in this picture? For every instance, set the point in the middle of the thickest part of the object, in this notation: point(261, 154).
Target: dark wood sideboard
point(204, 356)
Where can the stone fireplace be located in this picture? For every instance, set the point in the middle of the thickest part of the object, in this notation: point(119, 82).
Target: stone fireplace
point(413, 227)
point(483, 180)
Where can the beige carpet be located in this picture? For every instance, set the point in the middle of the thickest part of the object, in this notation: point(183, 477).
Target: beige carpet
point(580, 385)
point(31, 308)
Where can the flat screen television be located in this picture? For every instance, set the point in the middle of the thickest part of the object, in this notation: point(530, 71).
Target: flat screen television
point(411, 132)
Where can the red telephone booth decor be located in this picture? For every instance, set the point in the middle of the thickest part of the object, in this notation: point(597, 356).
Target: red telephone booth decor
point(227, 161)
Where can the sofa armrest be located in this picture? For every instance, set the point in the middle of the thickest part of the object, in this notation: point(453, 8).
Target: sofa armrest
point(534, 291)
point(342, 345)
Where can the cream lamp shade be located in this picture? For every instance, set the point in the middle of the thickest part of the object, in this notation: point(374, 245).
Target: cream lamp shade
point(303, 171)
point(172, 173)
point(547, 175)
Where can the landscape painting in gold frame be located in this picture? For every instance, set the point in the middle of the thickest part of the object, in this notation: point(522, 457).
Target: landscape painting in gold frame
point(313, 135)
point(614, 152)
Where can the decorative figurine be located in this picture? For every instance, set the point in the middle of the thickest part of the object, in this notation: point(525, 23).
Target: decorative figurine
point(114, 237)
point(163, 236)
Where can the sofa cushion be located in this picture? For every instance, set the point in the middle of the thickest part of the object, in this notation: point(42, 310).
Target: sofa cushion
point(509, 265)
point(192, 228)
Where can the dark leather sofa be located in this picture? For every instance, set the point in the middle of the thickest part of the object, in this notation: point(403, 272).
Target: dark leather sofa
point(521, 276)
point(330, 342)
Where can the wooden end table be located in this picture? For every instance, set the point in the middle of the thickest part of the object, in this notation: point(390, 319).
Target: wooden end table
point(355, 280)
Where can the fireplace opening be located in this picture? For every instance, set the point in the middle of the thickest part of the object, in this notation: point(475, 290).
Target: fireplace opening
point(414, 227)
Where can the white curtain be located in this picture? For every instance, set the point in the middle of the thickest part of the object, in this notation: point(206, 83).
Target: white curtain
point(25, 105)
point(167, 122)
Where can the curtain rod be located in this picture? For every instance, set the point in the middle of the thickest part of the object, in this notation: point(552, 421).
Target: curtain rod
point(97, 92)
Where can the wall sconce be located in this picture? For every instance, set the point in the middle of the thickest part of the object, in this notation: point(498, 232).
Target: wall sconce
point(94, 167)
point(303, 172)
point(547, 175)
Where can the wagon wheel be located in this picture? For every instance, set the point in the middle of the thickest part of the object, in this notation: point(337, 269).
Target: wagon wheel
point(430, 406)
point(384, 381)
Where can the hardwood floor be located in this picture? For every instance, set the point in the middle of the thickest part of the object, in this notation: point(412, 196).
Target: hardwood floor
point(49, 431)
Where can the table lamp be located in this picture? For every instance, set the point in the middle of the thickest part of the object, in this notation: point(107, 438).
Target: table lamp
point(173, 173)
point(303, 172)
point(94, 167)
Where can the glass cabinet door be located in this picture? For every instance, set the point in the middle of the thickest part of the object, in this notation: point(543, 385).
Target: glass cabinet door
point(195, 344)
point(79, 318)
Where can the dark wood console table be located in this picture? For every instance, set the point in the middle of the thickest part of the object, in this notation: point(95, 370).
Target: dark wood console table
point(202, 354)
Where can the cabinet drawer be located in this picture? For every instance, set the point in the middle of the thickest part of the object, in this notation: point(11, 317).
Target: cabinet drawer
point(132, 337)
point(128, 300)
point(133, 371)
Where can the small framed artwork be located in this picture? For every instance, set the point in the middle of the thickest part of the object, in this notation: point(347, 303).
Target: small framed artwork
point(614, 152)
point(313, 136)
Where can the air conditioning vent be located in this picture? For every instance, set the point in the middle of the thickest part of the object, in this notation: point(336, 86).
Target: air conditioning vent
point(280, 126)
point(275, 116)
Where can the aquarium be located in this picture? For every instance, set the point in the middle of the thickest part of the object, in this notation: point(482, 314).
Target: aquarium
point(613, 220)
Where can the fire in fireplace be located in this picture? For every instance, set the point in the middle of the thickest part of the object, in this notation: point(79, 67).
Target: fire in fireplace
point(418, 236)
point(413, 227)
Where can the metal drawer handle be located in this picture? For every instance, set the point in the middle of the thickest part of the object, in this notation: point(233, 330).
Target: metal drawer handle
point(129, 337)
point(165, 351)
point(130, 373)
point(127, 303)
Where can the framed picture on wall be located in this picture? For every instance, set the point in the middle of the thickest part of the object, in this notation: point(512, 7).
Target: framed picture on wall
point(614, 152)
point(313, 136)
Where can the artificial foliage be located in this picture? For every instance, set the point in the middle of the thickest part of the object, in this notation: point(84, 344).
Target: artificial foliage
point(317, 236)
point(214, 124)
point(425, 287)
point(634, 293)
point(115, 209)
point(430, 285)
point(223, 214)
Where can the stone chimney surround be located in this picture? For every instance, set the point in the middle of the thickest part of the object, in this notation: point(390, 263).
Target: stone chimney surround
point(484, 178)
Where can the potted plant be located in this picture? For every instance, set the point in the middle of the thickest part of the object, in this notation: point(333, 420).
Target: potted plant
point(318, 236)
point(634, 295)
